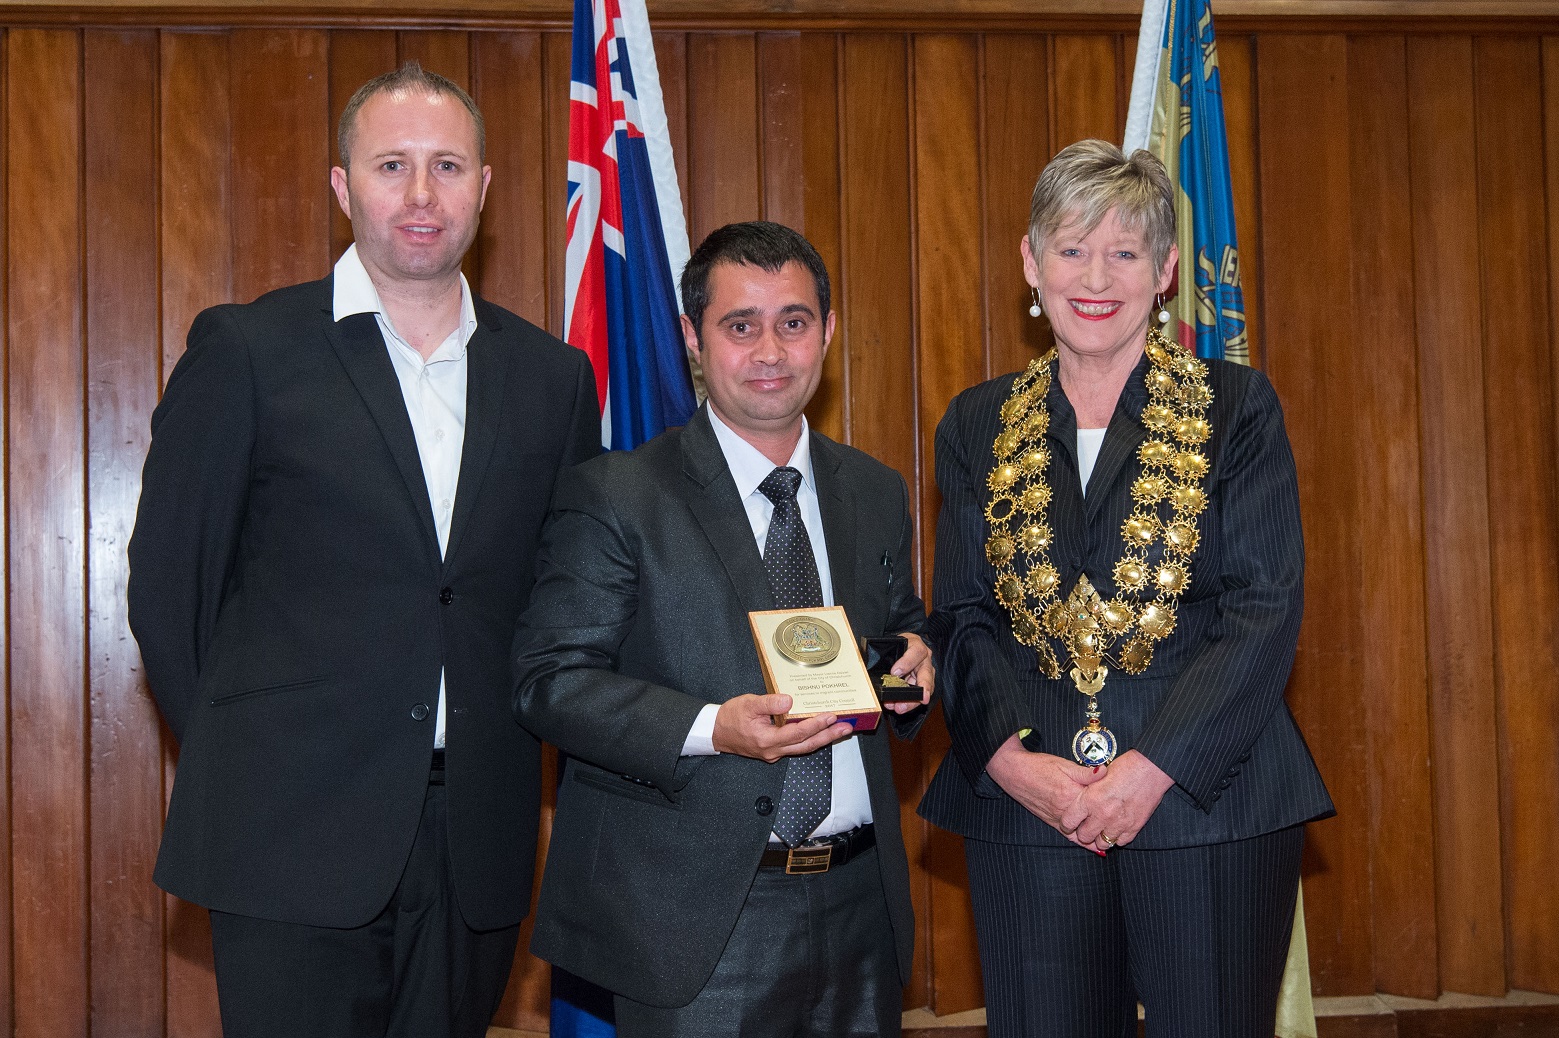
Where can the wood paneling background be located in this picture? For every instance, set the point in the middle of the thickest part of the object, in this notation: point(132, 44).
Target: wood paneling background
point(1398, 190)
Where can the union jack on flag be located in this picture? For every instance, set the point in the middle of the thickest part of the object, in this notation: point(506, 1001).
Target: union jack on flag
point(627, 240)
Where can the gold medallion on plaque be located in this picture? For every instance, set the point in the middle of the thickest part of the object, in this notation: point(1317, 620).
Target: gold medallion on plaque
point(807, 640)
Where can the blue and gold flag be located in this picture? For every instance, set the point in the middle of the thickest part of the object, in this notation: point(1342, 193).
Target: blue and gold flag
point(1177, 114)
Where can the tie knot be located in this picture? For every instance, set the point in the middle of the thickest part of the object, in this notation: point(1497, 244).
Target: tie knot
point(780, 485)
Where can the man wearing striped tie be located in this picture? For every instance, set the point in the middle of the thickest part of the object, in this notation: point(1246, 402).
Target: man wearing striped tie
point(718, 873)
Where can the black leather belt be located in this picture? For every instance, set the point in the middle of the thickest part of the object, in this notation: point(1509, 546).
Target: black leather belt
point(436, 772)
point(820, 853)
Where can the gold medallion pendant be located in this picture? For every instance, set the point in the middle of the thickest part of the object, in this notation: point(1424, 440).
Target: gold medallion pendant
point(1086, 629)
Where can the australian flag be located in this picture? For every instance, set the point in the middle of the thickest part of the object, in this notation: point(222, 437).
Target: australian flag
point(627, 239)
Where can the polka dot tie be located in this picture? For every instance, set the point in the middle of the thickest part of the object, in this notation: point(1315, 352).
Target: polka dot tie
point(787, 555)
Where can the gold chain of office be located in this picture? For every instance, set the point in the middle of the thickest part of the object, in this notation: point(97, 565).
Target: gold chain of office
point(1085, 626)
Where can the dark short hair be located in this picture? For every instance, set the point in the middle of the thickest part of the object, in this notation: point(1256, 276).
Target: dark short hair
point(757, 243)
point(410, 76)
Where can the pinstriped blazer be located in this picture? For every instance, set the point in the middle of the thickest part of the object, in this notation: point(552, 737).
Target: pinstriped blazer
point(1209, 710)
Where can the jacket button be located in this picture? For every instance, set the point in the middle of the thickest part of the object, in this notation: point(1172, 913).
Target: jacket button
point(419, 712)
point(763, 805)
point(446, 595)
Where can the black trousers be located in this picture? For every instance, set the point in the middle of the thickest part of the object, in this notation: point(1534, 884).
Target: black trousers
point(811, 957)
point(414, 971)
point(1070, 942)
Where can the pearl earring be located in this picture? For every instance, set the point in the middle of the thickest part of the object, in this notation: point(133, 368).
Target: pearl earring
point(1163, 314)
point(1034, 309)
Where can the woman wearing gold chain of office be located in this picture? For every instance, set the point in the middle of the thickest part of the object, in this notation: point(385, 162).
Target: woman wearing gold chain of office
point(1118, 589)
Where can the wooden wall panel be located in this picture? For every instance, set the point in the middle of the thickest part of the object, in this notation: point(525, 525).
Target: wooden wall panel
point(875, 285)
point(780, 128)
point(281, 125)
point(671, 62)
point(949, 289)
point(876, 275)
point(1305, 188)
point(1519, 408)
point(821, 221)
point(196, 272)
point(1236, 72)
point(356, 56)
point(195, 183)
point(507, 76)
point(1456, 528)
point(126, 792)
point(724, 179)
point(1391, 579)
point(7, 917)
point(556, 57)
point(46, 546)
point(1550, 106)
point(1015, 141)
point(447, 52)
point(1084, 90)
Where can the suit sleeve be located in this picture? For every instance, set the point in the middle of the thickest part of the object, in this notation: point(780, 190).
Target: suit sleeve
point(906, 611)
point(978, 686)
point(582, 609)
point(194, 492)
point(1224, 697)
point(584, 441)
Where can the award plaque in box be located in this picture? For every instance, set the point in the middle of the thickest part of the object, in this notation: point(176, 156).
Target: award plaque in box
point(811, 656)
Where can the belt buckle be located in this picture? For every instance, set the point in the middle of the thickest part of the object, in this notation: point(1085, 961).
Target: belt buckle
point(808, 861)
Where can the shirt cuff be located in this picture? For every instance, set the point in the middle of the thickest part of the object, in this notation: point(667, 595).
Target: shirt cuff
point(700, 741)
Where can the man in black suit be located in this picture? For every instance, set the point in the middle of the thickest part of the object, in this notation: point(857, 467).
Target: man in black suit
point(683, 804)
point(336, 533)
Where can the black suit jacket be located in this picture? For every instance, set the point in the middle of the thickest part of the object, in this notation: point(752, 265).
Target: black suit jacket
point(1209, 710)
point(293, 611)
point(646, 574)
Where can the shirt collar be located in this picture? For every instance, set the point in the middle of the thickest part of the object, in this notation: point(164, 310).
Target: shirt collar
point(354, 293)
point(748, 465)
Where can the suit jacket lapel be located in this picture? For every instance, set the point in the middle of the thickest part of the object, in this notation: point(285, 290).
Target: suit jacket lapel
point(362, 351)
point(487, 368)
point(720, 513)
point(839, 520)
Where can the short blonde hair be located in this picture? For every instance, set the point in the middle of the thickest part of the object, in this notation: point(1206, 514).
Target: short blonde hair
point(1088, 179)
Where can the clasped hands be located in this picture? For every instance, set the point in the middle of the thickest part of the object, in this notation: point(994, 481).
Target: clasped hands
point(1097, 808)
point(745, 724)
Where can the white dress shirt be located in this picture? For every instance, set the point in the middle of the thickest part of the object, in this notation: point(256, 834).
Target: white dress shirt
point(435, 395)
point(1088, 443)
point(851, 804)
